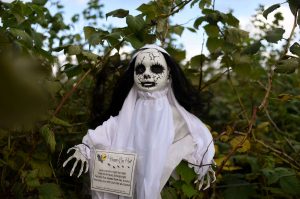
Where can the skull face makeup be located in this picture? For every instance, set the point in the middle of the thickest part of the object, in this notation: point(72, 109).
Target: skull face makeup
point(151, 72)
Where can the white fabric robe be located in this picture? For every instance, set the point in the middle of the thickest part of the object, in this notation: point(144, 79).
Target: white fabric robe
point(178, 135)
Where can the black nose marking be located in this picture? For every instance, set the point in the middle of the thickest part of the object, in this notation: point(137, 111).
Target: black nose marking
point(146, 76)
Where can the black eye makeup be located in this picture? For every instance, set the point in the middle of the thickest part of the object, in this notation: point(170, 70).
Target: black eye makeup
point(140, 69)
point(157, 68)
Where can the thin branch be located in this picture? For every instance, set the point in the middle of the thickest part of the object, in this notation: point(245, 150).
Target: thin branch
point(291, 34)
point(266, 97)
point(281, 154)
point(201, 64)
point(231, 153)
point(68, 94)
point(173, 10)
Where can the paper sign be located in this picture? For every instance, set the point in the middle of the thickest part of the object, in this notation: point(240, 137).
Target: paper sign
point(113, 172)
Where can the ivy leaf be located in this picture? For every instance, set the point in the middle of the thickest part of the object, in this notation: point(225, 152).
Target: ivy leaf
point(270, 9)
point(21, 34)
point(48, 136)
point(295, 49)
point(274, 35)
point(287, 66)
point(120, 13)
point(49, 191)
point(211, 30)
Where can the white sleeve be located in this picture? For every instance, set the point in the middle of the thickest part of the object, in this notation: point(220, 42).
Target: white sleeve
point(103, 136)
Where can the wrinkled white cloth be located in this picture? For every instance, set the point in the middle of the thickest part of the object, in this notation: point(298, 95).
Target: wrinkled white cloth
point(147, 126)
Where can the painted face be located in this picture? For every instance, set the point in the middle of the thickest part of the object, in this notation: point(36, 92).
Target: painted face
point(151, 72)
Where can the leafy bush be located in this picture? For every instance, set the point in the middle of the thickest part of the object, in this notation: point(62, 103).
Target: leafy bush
point(251, 86)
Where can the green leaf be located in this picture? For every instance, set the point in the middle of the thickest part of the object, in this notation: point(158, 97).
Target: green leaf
point(290, 185)
point(294, 6)
point(186, 173)
point(74, 50)
point(48, 136)
point(235, 35)
point(232, 20)
point(197, 60)
point(287, 66)
point(274, 35)
point(270, 9)
point(177, 29)
point(198, 22)
point(273, 175)
point(43, 168)
point(135, 23)
point(39, 2)
point(21, 34)
point(49, 191)
point(31, 178)
point(204, 3)
point(295, 49)
point(214, 43)
point(169, 193)
point(237, 140)
point(135, 42)
point(120, 13)
point(90, 55)
point(72, 70)
point(192, 29)
point(60, 122)
point(211, 30)
point(161, 25)
point(252, 49)
point(88, 31)
point(189, 190)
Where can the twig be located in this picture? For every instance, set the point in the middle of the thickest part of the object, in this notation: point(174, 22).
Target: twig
point(201, 64)
point(281, 155)
point(266, 97)
point(291, 34)
point(68, 94)
point(184, 3)
point(253, 119)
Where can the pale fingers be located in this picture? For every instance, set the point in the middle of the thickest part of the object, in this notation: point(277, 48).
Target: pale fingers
point(208, 182)
point(86, 166)
point(71, 149)
point(74, 166)
point(66, 162)
point(81, 169)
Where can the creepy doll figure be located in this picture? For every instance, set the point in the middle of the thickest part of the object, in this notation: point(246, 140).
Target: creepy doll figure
point(154, 123)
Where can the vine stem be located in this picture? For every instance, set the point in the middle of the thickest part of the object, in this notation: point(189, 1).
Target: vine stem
point(251, 124)
point(68, 94)
point(291, 34)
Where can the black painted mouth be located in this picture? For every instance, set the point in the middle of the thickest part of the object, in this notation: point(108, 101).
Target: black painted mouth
point(148, 84)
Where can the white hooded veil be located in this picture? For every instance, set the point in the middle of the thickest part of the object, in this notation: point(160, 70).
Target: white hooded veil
point(145, 125)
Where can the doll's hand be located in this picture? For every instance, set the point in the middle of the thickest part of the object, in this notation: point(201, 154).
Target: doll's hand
point(209, 178)
point(79, 158)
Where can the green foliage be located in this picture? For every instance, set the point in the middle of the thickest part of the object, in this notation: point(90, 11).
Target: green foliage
point(251, 87)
